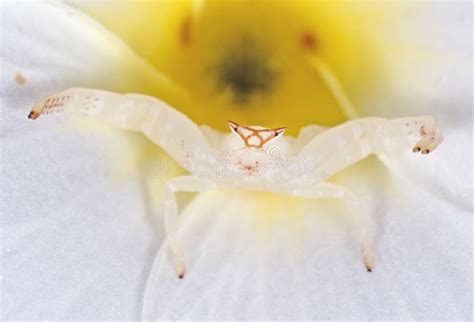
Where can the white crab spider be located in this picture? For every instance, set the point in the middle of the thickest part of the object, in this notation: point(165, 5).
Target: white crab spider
point(253, 159)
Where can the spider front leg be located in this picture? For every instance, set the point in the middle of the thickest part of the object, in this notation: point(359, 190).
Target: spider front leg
point(170, 213)
point(162, 124)
point(343, 145)
point(423, 127)
point(361, 219)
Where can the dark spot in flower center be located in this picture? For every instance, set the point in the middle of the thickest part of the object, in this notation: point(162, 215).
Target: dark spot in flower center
point(244, 71)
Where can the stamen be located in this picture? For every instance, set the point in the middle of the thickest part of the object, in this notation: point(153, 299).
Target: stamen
point(308, 41)
point(198, 7)
point(185, 31)
point(333, 85)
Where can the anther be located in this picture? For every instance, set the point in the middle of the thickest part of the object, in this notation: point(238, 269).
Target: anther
point(308, 41)
point(185, 31)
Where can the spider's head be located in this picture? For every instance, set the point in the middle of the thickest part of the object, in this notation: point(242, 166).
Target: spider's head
point(255, 136)
point(254, 155)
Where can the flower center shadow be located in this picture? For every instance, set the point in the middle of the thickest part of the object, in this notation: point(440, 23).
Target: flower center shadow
point(244, 71)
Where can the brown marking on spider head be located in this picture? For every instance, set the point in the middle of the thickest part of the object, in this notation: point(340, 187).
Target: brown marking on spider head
point(253, 137)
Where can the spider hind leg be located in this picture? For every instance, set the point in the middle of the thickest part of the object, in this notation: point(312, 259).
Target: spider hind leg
point(361, 220)
point(170, 214)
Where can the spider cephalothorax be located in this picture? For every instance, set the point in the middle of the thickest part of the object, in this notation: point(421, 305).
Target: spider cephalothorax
point(205, 154)
point(252, 156)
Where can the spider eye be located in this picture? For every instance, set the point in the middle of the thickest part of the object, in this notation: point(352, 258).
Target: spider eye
point(233, 126)
point(279, 131)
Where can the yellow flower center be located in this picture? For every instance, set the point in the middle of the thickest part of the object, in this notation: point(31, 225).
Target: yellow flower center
point(279, 63)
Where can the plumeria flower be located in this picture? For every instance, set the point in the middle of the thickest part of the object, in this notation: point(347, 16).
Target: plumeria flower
point(81, 227)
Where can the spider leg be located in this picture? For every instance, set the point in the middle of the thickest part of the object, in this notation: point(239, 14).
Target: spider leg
point(361, 220)
point(170, 213)
point(350, 142)
point(162, 124)
point(422, 127)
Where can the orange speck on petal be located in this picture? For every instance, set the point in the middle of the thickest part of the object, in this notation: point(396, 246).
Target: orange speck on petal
point(20, 79)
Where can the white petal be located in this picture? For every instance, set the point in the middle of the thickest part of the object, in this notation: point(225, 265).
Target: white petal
point(431, 75)
point(446, 173)
point(53, 47)
point(243, 264)
point(77, 239)
point(427, 57)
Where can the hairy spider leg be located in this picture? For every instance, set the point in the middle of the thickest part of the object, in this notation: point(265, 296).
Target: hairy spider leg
point(361, 221)
point(341, 146)
point(168, 128)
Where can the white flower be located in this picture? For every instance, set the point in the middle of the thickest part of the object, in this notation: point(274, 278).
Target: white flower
point(80, 241)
